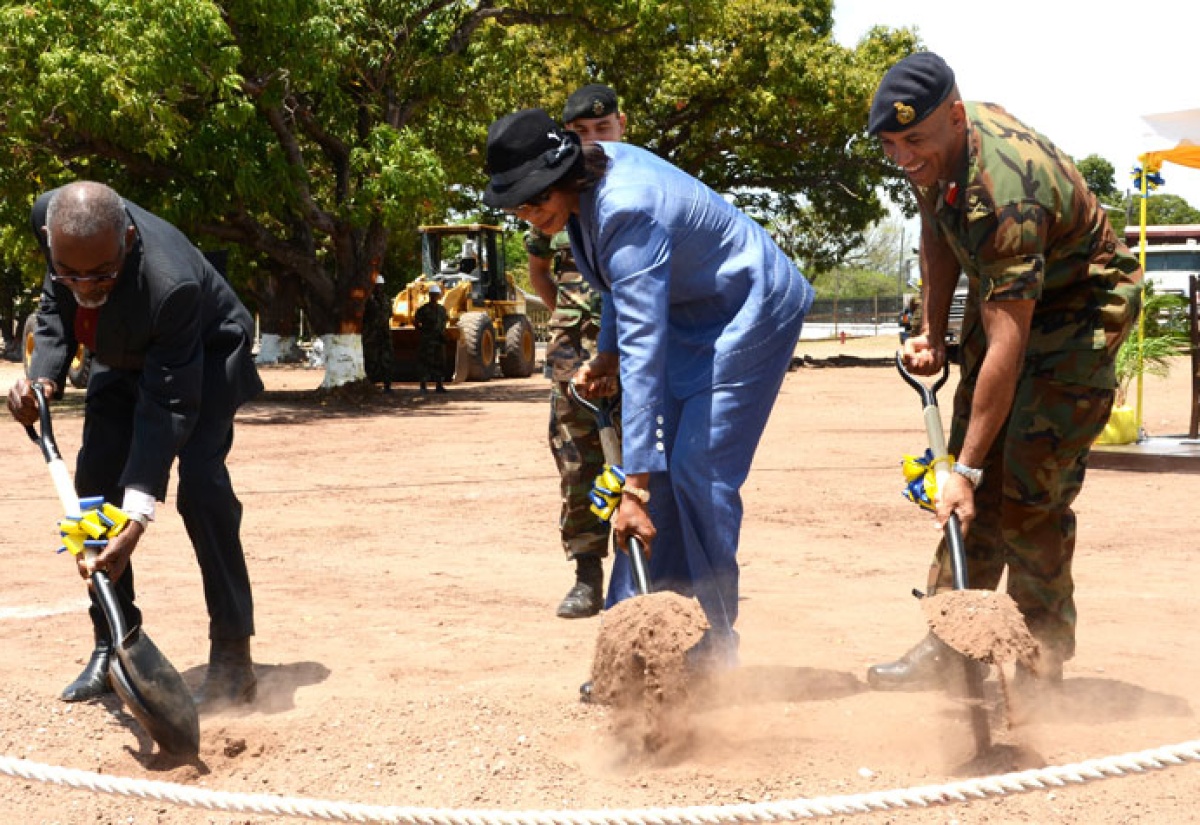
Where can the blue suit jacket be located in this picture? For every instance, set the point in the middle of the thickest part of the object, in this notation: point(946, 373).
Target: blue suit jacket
point(692, 288)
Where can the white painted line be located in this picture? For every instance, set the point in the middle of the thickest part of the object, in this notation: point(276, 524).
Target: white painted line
point(38, 612)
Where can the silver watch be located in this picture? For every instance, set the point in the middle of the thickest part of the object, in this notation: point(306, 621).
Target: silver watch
point(969, 473)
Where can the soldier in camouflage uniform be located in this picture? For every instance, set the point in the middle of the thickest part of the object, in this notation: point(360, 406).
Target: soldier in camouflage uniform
point(378, 358)
point(593, 113)
point(430, 320)
point(1053, 292)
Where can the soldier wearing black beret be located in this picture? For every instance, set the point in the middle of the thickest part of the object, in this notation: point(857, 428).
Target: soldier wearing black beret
point(1053, 292)
point(592, 113)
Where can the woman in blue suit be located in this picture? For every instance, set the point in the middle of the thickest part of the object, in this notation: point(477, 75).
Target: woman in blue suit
point(701, 314)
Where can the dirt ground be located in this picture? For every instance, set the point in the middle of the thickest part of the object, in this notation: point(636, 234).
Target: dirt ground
point(406, 571)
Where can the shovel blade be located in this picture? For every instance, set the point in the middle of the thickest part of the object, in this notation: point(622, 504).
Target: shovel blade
point(147, 682)
point(156, 695)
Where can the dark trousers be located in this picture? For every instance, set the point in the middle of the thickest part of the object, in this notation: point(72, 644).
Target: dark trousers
point(205, 499)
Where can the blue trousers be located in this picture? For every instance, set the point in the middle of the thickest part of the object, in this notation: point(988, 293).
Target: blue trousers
point(696, 505)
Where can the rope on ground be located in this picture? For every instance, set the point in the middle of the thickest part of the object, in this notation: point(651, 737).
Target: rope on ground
point(951, 793)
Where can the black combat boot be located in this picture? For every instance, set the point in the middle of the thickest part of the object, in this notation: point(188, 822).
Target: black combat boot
point(929, 665)
point(93, 681)
point(230, 679)
point(586, 597)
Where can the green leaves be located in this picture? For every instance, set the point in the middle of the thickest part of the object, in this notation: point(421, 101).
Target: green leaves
point(312, 136)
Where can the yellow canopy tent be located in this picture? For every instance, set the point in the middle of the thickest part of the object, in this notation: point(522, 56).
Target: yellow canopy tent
point(1182, 129)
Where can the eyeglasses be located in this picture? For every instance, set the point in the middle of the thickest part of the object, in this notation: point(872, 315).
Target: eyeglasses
point(84, 279)
point(536, 200)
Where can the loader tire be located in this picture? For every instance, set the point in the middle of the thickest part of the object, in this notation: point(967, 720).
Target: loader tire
point(27, 338)
point(81, 368)
point(476, 331)
point(518, 358)
point(81, 365)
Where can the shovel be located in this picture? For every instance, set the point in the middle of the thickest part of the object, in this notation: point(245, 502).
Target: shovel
point(610, 444)
point(954, 538)
point(145, 681)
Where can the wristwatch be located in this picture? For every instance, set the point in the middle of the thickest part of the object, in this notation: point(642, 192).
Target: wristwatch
point(639, 493)
point(969, 473)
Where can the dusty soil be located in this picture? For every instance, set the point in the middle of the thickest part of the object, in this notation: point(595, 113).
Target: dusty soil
point(983, 624)
point(406, 569)
point(640, 669)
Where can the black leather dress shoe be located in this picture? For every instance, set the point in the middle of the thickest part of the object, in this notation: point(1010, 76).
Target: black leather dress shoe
point(93, 681)
point(930, 665)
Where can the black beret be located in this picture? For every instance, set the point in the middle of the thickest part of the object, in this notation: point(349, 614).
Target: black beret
point(909, 91)
point(592, 101)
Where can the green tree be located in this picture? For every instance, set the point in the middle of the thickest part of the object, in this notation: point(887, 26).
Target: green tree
point(1100, 176)
point(304, 135)
point(759, 101)
point(1101, 179)
point(1169, 209)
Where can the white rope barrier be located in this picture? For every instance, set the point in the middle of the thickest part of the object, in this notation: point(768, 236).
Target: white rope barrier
point(924, 796)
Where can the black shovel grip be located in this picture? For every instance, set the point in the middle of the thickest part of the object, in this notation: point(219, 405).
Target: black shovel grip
point(44, 439)
point(928, 393)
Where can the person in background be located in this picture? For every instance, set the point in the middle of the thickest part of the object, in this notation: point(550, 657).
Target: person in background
point(701, 312)
point(172, 364)
point(1053, 293)
point(592, 113)
point(378, 357)
point(430, 320)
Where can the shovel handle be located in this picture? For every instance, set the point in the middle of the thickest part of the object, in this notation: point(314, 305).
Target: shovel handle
point(928, 392)
point(637, 555)
point(107, 594)
point(937, 446)
point(610, 444)
point(54, 460)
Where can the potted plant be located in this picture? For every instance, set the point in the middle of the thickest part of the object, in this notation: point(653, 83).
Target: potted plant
point(1163, 337)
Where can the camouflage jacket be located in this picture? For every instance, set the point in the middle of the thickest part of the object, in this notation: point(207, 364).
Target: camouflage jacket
point(1024, 226)
point(430, 319)
point(576, 318)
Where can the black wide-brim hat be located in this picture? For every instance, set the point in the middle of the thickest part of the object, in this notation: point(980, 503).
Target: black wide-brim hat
point(527, 153)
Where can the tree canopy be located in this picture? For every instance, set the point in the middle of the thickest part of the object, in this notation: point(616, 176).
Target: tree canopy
point(1168, 209)
point(311, 137)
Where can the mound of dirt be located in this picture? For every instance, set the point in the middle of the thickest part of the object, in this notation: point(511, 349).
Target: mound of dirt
point(982, 624)
point(640, 667)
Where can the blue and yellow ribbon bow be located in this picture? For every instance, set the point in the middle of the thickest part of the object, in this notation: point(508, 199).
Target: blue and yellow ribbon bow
point(920, 479)
point(97, 522)
point(606, 492)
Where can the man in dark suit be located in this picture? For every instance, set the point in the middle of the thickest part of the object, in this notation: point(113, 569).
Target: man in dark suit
point(172, 364)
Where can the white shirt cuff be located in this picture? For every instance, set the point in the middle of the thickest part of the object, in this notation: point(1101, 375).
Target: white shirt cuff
point(137, 503)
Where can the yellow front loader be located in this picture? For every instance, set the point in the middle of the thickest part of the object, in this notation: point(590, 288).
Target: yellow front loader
point(489, 331)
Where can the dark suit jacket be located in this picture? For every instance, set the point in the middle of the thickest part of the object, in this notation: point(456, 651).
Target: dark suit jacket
point(171, 319)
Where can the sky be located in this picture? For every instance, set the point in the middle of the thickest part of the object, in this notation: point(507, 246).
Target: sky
point(1082, 74)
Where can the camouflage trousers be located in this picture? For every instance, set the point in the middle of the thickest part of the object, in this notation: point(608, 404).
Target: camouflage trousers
point(1023, 516)
point(431, 357)
point(575, 443)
